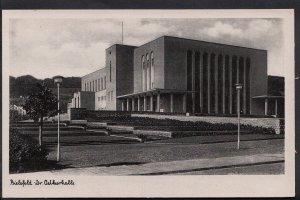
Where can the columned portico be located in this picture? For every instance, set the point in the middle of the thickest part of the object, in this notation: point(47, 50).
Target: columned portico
point(223, 84)
point(230, 84)
point(171, 102)
point(266, 106)
point(208, 83)
point(151, 103)
point(270, 104)
point(139, 103)
point(128, 104)
point(201, 82)
point(184, 103)
point(158, 102)
point(145, 103)
point(216, 93)
point(133, 104)
point(193, 82)
point(245, 88)
point(123, 106)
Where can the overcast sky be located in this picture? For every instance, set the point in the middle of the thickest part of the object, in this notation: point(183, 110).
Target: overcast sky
point(71, 47)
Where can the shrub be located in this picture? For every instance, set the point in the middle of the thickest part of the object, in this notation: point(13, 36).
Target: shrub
point(14, 116)
point(25, 153)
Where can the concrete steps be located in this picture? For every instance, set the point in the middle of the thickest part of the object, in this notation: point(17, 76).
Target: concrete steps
point(176, 134)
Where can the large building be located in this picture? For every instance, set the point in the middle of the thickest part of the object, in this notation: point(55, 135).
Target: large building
point(171, 74)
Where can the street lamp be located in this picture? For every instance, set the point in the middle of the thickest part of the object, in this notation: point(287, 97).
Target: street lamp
point(58, 80)
point(238, 87)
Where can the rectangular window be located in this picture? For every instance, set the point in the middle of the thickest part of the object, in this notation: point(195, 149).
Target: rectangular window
point(104, 82)
point(102, 87)
point(110, 71)
point(99, 88)
point(111, 93)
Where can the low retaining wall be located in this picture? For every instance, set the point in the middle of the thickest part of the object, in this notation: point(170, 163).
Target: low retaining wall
point(276, 123)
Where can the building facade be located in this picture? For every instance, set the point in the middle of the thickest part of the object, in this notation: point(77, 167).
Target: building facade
point(179, 75)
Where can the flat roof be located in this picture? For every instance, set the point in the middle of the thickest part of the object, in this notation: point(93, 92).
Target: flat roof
point(156, 90)
point(180, 38)
point(93, 72)
point(268, 97)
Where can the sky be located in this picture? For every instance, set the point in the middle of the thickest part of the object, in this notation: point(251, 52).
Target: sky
point(44, 48)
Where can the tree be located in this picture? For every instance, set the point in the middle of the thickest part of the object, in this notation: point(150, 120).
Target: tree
point(40, 104)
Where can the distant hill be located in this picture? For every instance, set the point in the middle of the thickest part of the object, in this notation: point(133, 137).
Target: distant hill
point(25, 85)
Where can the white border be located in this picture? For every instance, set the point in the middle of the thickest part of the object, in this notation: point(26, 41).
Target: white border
point(160, 186)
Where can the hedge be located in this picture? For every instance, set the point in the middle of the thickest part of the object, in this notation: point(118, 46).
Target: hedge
point(25, 154)
point(145, 123)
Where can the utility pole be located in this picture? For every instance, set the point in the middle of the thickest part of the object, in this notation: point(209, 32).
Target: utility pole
point(238, 88)
point(122, 32)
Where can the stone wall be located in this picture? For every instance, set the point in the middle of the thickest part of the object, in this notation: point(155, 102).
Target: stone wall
point(276, 123)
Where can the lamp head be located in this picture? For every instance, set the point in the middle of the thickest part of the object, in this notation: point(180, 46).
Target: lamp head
point(238, 86)
point(58, 79)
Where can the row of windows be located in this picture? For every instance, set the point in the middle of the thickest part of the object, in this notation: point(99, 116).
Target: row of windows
point(102, 98)
point(95, 85)
point(110, 95)
point(148, 72)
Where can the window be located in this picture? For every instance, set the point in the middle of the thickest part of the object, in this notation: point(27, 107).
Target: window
point(101, 98)
point(99, 88)
point(84, 86)
point(148, 73)
point(111, 93)
point(143, 74)
point(96, 83)
point(152, 70)
point(90, 86)
point(108, 96)
point(98, 98)
point(104, 82)
point(110, 71)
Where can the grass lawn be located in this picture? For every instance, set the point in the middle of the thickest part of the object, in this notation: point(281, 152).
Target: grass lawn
point(81, 148)
point(86, 151)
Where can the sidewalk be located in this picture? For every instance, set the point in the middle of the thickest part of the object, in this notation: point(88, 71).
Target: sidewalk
point(173, 167)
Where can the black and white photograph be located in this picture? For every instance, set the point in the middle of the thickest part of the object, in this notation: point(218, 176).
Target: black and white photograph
point(139, 103)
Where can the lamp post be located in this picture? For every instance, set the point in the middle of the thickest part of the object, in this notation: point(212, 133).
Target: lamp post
point(238, 87)
point(58, 81)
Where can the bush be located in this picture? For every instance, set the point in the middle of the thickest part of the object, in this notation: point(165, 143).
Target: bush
point(25, 154)
point(14, 116)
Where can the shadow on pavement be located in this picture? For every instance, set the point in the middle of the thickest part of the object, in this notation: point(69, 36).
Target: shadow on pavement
point(47, 166)
point(120, 164)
